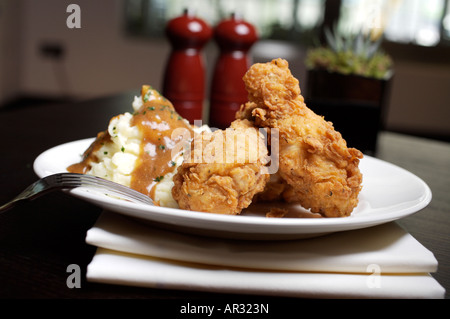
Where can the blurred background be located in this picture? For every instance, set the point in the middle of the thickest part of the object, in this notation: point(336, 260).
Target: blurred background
point(121, 45)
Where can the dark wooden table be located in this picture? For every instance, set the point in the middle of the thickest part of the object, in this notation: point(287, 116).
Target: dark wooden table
point(40, 239)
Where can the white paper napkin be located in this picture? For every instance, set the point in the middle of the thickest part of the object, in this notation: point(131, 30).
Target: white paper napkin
point(382, 261)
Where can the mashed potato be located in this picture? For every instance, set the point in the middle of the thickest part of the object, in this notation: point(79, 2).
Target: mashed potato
point(117, 157)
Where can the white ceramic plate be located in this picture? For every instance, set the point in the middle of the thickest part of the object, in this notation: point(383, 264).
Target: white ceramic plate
point(389, 193)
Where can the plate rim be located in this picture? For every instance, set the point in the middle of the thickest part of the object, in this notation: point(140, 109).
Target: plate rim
point(220, 222)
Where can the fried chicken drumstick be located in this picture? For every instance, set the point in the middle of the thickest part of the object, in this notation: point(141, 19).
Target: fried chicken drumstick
point(320, 171)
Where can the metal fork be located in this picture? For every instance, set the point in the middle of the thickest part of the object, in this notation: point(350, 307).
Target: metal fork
point(72, 180)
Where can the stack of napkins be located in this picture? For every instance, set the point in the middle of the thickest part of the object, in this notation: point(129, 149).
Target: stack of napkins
point(377, 262)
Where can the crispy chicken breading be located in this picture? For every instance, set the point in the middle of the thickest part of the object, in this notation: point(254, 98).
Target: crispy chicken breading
point(321, 172)
point(223, 170)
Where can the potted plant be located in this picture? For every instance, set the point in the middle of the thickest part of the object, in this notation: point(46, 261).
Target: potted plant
point(348, 82)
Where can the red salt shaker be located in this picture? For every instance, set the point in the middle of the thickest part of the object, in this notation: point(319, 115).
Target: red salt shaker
point(184, 78)
point(234, 37)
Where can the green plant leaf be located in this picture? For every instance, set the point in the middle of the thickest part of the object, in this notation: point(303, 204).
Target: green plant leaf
point(331, 41)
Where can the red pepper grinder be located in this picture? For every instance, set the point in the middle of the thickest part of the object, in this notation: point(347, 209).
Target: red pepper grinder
point(234, 37)
point(184, 78)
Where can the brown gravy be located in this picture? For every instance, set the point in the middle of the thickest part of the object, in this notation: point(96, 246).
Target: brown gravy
point(156, 119)
point(89, 155)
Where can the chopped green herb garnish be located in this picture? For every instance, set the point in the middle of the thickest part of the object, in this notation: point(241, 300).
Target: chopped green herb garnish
point(151, 108)
point(105, 153)
point(122, 149)
point(172, 163)
point(159, 178)
point(162, 147)
point(147, 95)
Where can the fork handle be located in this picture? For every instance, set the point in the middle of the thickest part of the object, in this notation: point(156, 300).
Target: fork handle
point(35, 190)
point(8, 206)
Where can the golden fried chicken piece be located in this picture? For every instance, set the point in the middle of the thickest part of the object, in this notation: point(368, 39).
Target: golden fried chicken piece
point(274, 190)
point(321, 171)
point(223, 170)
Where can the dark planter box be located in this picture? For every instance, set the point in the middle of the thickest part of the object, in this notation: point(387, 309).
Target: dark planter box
point(356, 105)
